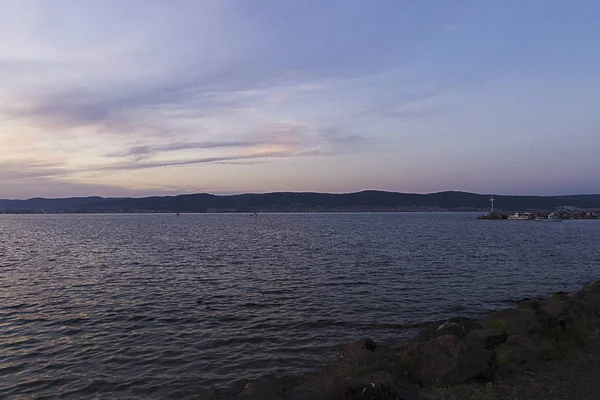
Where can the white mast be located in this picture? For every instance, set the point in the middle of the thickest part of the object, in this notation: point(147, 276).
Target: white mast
point(492, 199)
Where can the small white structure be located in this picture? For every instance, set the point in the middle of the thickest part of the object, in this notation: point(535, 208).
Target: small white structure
point(492, 199)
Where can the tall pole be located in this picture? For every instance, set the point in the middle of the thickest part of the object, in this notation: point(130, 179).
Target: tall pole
point(492, 202)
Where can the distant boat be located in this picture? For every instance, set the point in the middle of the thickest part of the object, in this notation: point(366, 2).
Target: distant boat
point(253, 214)
point(521, 216)
point(552, 217)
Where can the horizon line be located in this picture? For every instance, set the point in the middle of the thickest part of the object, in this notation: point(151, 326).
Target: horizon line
point(226, 194)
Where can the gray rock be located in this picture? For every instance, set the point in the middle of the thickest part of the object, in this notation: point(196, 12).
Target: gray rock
point(577, 308)
point(486, 338)
point(362, 345)
point(523, 355)
point(446, 360)
point(209, 394)
point(502, 372)
point(455, 326)
point(529, 321)
point(522, 323)
point(536, 343)
point(305, 393)
point(379, 386)
point(529, 304)
point(364, 352)
point(266, 388)
point(554, 307)
point(223, 393)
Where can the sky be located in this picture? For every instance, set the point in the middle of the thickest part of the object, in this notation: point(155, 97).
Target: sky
point(153, 97)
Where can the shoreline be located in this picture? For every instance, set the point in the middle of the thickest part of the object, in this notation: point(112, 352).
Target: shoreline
point(571, 215)
point(457, 358)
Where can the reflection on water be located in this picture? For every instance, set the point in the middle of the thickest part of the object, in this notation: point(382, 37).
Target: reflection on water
point(159, 306)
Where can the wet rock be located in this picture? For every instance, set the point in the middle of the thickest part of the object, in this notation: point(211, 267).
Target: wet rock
point(209, 394)
point(529, 321)
point(485, 338)
point(530, 304)
point(446, 360)
point(554, 307)
point(522, 323)
point(265, 388)
point(401, 345)
point(455, 326)
point(498, 318)
point(379, 386)
point(288, 383)
point(364, 351)
point(594, 287)
point(362, 345)
point(223, 393)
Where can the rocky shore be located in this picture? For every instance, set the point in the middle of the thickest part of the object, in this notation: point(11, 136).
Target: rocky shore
point(515, 350)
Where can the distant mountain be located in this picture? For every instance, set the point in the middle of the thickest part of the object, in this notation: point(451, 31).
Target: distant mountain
point(288, 201)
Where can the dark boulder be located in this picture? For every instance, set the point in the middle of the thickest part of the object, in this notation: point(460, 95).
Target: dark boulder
point(529, 321)
point(362, 345)
point(266, 387)
point(379, 386)
point(554, 307)
point(459, 326)
point(485, 338)
point(445, 360)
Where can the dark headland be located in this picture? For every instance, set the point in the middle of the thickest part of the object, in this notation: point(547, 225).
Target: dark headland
point(368, 201)
point(541, 349)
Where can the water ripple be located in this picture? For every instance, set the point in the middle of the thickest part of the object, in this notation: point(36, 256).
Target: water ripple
point(155, 306)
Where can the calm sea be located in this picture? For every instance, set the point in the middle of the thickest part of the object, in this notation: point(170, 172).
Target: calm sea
point(161, 306)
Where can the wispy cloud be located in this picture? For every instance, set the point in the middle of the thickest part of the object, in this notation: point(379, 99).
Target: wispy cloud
point(31, 169)
point(206, 160)
point(280, 140)
point(146, 151)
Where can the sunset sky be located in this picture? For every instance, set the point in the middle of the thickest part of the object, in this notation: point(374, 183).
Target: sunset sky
point(140, 97)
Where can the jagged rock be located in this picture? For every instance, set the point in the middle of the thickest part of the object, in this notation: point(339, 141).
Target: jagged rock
point(209, 394)
point(364, 351)
point(305, 393)
point(486, 338)
point(401, 345)
point(224, 393)
point(522, 323)
point(264, 388)
point(529, 321)
point(379, 386)
point(529, 304)
point(502, 372)
point(594, 287)
point(362, 344)
point(288, 383)
point(459, 326)
point(534, 342)
point(446, 360)
point(523, 355)
point(526, 349)
point(577, 308)
point(554, 307)
point(524, 299)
